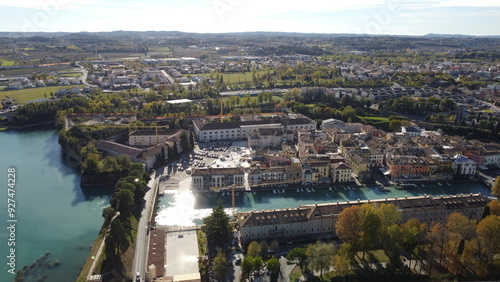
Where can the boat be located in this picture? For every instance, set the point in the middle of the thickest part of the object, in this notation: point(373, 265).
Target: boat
point(255, 193)
point(330, 189)
point(274, 191)
point(283, 191)
point(298, 190)
point(384, 189)
point(308, 191)
point(439, 183)
point(335, 188)
point(312, 189)
point(223, 194)
point(345, 188)
point(301, 190)
point(448, 183)
point(423, 186)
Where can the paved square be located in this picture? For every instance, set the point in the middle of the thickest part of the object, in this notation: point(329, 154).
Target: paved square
point(182, 253)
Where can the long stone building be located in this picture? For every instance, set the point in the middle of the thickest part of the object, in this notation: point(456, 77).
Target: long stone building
point(206, 131)
point(313, 221)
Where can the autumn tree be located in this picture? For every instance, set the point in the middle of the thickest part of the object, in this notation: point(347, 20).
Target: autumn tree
point(389, 214)
point(254, 249)
point(413, 231)
point(494, 207)
point(320, 256)
point(487, 233)
point(343, 262)
point(495, 189)
point(461, 225)
point(348, 226)
point(392, 240)
point(371, 227)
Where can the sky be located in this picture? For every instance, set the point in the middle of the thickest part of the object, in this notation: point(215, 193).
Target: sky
point(395, 17)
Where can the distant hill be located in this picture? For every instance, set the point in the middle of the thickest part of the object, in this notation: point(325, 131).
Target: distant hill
point(437, 35)
point(122, 33)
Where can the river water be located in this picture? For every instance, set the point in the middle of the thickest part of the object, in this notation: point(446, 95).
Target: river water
point(53, 213)
point(185, 209)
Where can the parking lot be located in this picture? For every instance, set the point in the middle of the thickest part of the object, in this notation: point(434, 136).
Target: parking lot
point(217, 154)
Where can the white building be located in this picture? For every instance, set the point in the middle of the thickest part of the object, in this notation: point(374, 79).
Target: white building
point(266, 138)
point(411, 131)
point(463, 167)
point(203, 179)
point(206, 131)
point(340, 173)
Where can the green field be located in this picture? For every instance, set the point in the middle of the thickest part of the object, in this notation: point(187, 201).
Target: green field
point(25, 95)
point(378, 122)
point(233, 77)
point(160, 49)
point(70, 74)
point(7, 62)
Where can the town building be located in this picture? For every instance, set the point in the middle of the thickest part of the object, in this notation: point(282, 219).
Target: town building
point(463, 167)
point(153, 136)
point(340, 172)
point(207, 131)
point(147, 156)
point(205, 179)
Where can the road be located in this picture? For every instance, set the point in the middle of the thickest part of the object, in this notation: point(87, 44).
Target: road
point(492, 107)
point(142, 241)
point(172, 81)
point(84, 74)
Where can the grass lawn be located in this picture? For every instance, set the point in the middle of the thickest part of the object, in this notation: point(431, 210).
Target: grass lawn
point(295, 274)
point(7, 62)
point(160, 49)
point(86, 268)
point(375, 119)
point(378, 122)
point(378, 255)
point(70, 74)
point(30, 94)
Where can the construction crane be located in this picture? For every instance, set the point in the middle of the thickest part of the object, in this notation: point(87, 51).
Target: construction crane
point(233, 198)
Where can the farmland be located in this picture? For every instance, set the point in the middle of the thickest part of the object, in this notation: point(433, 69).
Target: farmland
point(25, 95)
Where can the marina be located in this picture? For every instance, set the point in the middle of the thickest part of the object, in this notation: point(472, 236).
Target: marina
point(187, 209)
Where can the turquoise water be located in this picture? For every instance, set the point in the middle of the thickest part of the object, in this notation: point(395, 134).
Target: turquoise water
point(54, 214)
point(184, 209)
